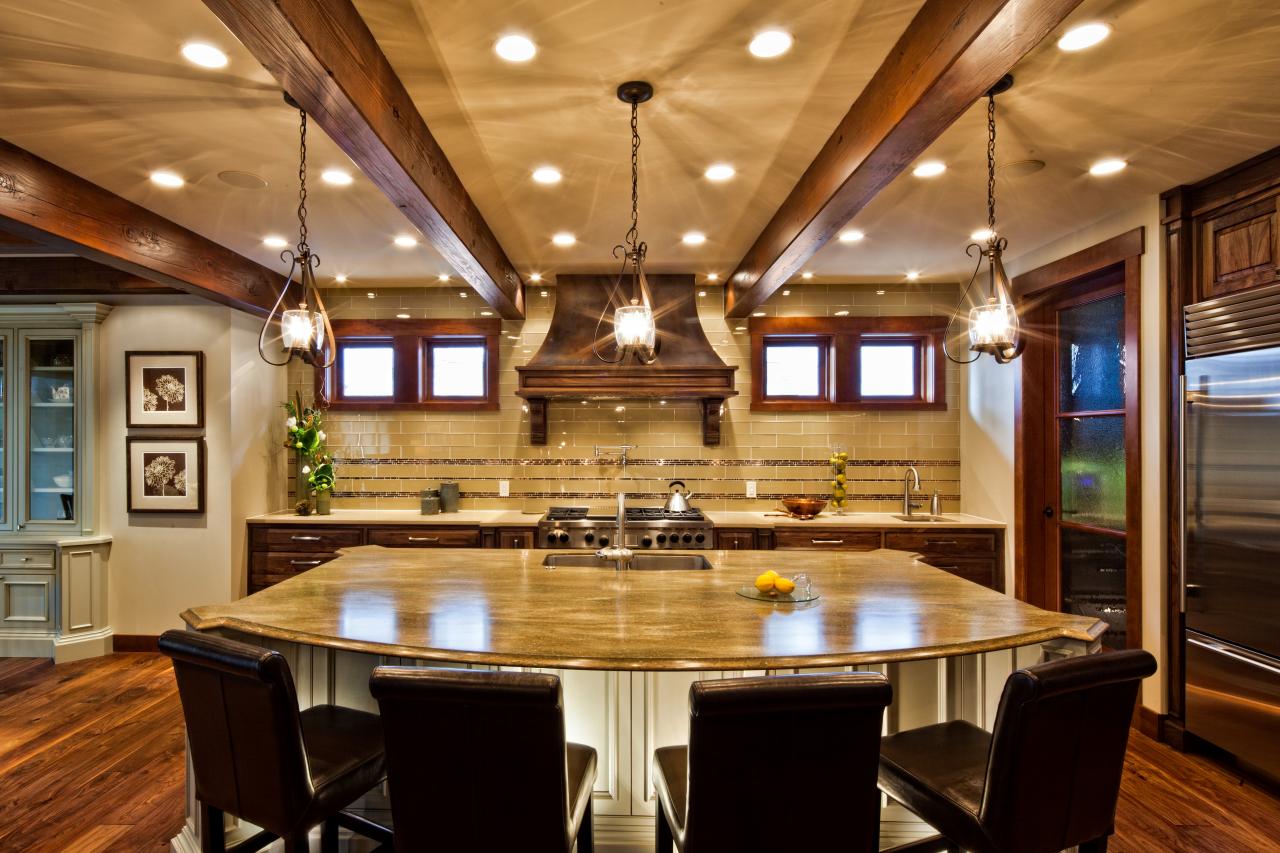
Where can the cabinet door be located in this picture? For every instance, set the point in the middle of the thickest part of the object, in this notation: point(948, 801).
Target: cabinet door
point(519, 538)
point(51, 397)
point(1239, 249)
point(26, 601)
point(735, 539)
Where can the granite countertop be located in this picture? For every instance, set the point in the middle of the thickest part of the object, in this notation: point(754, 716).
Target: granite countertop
point(501, 607)
point(515, 517)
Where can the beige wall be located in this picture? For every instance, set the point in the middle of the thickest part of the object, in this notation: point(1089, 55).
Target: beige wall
point(986, 423)
point(784, 453)
point(163, 564)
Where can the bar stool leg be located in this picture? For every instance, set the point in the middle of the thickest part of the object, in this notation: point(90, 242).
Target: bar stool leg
point(297, 844)
point(212, 830)
point(665, 839)
point(329, 836)
point(1097, 845)
point(586, 833)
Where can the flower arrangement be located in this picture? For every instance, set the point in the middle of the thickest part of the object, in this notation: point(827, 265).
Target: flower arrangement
point(304, 434)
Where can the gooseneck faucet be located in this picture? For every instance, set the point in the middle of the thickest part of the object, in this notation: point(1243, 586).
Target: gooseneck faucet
point(618, 551)
point(910, 483)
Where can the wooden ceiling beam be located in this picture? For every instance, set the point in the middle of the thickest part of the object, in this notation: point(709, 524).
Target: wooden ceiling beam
point(65, 213)
point(326, 58)
point(35, 276)
point(950, 55)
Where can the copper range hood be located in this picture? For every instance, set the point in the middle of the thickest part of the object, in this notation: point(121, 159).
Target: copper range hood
point(567, 367)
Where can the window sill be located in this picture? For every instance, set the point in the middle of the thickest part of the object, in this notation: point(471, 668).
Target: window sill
point(424, 406)
point(859, 406)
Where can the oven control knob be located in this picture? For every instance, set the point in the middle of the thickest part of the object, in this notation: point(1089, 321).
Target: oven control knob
point(563, 538)
point(645, 541)
point(687, 538)
point(699, 538)
point(551, 537)
point(604, 541)
point(662, 538)
point(589, 538)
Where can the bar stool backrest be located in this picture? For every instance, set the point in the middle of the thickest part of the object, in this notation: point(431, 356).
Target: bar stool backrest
point(1057, 750)
point(785, 762)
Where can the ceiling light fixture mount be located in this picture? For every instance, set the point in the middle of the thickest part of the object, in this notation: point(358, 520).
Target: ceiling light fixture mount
point(304, 333)
point(634, 328)
point(993, 326)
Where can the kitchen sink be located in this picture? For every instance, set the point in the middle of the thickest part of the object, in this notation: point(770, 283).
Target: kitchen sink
point(639, 563)
point(923, 518)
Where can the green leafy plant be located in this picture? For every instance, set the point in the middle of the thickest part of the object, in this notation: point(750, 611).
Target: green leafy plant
point(304, 434)
point(320, 477)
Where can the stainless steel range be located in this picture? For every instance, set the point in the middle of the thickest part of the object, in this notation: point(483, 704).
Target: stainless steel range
point(647, 527)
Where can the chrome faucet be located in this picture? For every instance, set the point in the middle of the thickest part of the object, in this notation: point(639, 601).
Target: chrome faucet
point(910, 483)
point(618, 551)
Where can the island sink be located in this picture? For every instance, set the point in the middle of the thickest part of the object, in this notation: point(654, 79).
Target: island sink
point(924, 518)
point(640, 562)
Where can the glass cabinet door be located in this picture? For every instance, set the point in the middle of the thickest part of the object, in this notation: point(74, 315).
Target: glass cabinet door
point(4, 429)
point(51, 424)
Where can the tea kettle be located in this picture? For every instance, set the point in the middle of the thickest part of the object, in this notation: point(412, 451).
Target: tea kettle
point(678, 500)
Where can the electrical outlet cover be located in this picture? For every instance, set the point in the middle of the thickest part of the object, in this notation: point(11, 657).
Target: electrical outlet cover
point(751, 488)
point(504, 488)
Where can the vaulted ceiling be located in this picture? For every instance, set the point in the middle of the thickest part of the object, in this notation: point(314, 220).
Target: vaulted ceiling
point(1183, 88)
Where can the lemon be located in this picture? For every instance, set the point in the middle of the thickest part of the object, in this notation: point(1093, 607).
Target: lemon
point(784, 585)
point(764, 583)
point(839, 478)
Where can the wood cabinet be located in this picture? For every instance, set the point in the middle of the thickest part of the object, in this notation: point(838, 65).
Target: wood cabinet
point(424, 536)
point(736, 539)
point(1238, 247)
point(827, 539)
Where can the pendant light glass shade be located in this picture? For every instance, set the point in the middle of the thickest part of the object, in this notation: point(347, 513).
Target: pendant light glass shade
point(633, 328)
point(299, 329)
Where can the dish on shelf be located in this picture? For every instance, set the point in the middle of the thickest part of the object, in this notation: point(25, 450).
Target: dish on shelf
point(62, 481)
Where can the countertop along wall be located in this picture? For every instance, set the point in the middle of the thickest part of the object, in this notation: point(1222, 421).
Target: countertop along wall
point(385, 459)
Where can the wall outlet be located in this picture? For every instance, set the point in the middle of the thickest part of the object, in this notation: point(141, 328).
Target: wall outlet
point(504, 488)
point(751, 488)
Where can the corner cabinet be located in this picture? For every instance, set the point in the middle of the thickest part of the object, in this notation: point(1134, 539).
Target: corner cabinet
point(53, 568)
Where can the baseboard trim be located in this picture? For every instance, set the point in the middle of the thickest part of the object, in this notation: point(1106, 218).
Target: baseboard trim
point(1150, 723)
point(137, 642)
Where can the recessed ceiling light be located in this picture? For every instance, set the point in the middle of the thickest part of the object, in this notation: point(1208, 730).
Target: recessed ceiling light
point(1084, 36)
point(786, 293)
point(806, 275)
point(337, 177)
point(913, 275)
point(340, 278)
point(929, 169)
point(1107, 167)
point(547, 175)
point(981, 235)
point(564, 238)
point(719, 172)
point(535, 276)
point(486, 313)
point(770, 43)
point(757, 313)
point(405, 241)
point(272, 241)
point(515, 48)
point(402, 316)
point(851, 235)
point(694, 238)
point(165, 178)
point(842, 313)
point(712, 276)
point(204, 55)
point(444, 276)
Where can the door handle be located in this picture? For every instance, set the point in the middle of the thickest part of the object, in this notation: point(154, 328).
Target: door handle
point(1048, 512)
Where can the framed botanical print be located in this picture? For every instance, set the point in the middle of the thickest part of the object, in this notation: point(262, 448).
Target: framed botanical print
point(164, 389)
point(165, 474)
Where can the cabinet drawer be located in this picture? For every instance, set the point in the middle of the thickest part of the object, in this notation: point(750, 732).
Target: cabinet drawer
point(736, 540)
point(425, 537)
point(283, 564)
point(27, 559)
point(294, 538)
point(941, 542)
point(971, 569)
point(26, 601)
point(826, 539)
point(520, 538)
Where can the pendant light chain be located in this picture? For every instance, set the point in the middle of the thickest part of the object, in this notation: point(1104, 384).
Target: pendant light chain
point(991, 164)
point(303, 248)
point(634, 233)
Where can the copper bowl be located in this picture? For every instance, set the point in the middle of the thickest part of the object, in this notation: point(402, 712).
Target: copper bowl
point(804, 508)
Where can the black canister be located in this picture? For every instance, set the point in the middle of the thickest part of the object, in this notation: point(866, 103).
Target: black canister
point(448, 497)
point(430, 501)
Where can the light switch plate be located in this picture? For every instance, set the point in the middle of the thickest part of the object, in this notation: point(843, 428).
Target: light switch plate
point(751, 488)
point(504, 488)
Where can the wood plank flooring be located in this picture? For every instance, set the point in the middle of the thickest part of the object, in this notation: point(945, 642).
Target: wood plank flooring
point(91, 759)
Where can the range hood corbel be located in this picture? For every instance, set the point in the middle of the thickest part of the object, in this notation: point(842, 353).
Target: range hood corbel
point(565, 367)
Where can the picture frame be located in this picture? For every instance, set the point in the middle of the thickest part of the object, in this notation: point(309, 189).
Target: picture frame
point(164, 389)
point(159, 474)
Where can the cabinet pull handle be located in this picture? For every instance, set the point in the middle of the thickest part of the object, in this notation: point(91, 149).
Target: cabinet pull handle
point(827, 541)
point(305, 562)
point(26, 559)
point(304, 538)
point(948, 568)
point(941, 542)
point(424, 538)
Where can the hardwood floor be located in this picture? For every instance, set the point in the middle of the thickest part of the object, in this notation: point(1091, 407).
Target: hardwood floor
point(91, 759)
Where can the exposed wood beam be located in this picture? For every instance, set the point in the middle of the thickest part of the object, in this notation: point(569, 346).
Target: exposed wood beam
point(950, 55)
point(324, 55)
point(70, 275)
point(66, 213)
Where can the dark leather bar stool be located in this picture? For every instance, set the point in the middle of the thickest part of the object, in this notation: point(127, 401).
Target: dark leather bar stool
point(464, 746)
point(1046, 779)
point(775, 764)
point(256, 756)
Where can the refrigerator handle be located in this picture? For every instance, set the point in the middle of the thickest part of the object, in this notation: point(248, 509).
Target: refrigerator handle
point(1182, 493)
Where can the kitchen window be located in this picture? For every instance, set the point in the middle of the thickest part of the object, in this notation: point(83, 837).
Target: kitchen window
point(847, 363)
point(422, 365)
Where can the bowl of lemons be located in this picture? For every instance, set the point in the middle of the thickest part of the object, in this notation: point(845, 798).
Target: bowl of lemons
point(774, 587)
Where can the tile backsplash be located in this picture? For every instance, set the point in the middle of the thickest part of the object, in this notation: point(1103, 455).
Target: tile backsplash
point(385, 458)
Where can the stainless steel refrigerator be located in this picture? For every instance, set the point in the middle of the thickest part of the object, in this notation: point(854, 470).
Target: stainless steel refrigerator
point(1231, 568)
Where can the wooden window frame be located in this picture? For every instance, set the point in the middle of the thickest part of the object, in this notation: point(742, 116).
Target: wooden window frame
point(412, 341)
point(825, 391)
point(843, 338)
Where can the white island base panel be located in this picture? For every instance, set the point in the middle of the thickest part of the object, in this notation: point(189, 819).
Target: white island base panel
point(625, 716)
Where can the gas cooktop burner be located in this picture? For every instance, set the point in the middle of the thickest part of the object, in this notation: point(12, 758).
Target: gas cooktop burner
point(639, 514)
point(647, 527)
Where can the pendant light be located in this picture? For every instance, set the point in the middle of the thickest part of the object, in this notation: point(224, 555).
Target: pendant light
point(994, 327)
point(634, 327)
point(303, 332)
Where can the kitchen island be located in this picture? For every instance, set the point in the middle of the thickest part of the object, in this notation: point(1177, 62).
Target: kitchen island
point(628, 644)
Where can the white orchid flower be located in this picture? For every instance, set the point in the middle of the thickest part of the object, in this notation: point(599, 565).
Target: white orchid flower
point(322, 435)
point(306, 469)
point(291, 423)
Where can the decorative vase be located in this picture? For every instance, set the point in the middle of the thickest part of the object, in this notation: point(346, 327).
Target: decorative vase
point(301, 488)
point(323, 497)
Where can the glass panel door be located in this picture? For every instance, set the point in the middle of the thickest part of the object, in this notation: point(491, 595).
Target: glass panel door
point(51, 419)
point(1090, 539)
point(4, 430)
